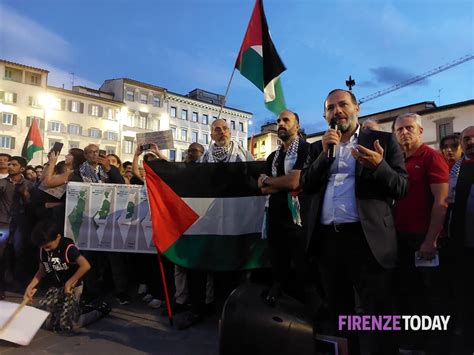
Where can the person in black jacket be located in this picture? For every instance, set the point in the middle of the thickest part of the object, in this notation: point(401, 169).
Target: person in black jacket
point(350, 222)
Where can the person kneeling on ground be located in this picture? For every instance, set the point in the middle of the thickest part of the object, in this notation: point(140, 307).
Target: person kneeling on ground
point(62, 266)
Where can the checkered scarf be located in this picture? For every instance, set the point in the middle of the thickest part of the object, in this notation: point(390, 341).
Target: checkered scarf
point(89, 174)
point(230, 153)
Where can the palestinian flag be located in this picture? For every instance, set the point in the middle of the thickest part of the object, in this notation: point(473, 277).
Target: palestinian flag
point(259, 61)
point(33, 142)
point(207, 215)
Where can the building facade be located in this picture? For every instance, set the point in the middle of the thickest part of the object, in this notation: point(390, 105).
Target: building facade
point(109, 117)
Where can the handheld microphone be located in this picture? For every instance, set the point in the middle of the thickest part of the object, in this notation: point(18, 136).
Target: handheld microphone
point(332, 147)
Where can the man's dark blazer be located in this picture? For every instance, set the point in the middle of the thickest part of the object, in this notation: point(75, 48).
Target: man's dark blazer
point(375, 191)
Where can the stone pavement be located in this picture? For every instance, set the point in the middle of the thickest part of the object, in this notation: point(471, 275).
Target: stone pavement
point(130, 329)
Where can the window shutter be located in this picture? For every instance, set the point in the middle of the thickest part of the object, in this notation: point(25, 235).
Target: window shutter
point(63, 104)
point(30, 100)
point(88, 132)
point(81, 108)
point(69, 105)
point(41, 123)
point(14, 119)
point(14, 98)
point(50, 126)
point(90, 109)
point(101, 111)
point(100, 133)
point(28, 121)
point(80, 130)
point(63, 128)
point(2, 95)
point(12, 142)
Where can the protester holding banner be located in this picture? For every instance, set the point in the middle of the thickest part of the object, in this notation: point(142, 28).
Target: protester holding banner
point(350, 220)
point(286, 237)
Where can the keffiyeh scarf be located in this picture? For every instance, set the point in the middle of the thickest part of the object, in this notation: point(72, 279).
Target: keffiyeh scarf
point(89, 174)
point(231, 153)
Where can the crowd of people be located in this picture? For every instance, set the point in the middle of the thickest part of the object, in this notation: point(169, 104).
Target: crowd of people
point(351, 216)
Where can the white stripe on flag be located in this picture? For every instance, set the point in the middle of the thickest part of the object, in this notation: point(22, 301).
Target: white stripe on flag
point(269, 90)
point(227, 215)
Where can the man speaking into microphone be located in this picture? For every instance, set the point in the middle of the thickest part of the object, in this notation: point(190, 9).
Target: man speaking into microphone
point(349, 220)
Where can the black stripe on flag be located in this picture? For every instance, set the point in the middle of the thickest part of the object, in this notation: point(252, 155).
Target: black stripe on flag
point(210, 179)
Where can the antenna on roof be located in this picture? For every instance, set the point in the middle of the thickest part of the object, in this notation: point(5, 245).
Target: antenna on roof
point(73, 78)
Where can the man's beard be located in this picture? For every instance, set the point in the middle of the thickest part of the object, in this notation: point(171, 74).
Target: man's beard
point(222, 143)
point(349, 125)
point(283, 135)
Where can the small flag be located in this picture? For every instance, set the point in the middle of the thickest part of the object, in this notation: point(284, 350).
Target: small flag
point(259, 61)
point(33, 142)
point(213, 223)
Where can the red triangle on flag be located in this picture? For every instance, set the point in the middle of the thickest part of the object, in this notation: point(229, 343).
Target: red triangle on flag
point(170, 215)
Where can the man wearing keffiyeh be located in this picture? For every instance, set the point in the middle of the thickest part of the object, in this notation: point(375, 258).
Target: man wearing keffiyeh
point(286, 239)
point(224, 150)
point(96, 168)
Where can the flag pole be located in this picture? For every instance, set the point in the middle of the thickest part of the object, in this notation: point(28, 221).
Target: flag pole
point(165, 287)
point(226, 92)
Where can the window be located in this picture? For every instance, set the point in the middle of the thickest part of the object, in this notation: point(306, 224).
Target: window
point(194, 117)
point(214, 118)
point(73, 144)
point(76, 106)
point(58, 104)
point(184, 114)
point(184, 134)
point(7, 142)
point(241, 126)
point(173, 111)
point(34, 79)
point(55, 127)
point(129, 95)
point(13, 74)
point(7, 118)
point(255, 145)
point(144, 98)
point(111, 136)
point(232, 125)
point(33, 101)
point(94, 110)
point(205, 138)
point(94, 133)
point(128, 145)
point(263, 142)
point(172, 155)
point(194, 136)
point(110, 150)
point(445, 129)
point(9, 98)
point(109, 113)
point(156, 101)
point(141, 121)
point(40, 121)
point(205, 119)
point(74, 129)
point(173, 132)
point(130, 116)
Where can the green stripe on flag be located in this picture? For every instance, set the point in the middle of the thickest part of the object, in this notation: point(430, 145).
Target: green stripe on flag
point(208, 251)
point(251, 66)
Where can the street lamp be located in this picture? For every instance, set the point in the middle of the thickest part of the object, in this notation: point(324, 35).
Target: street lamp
point(46, 101)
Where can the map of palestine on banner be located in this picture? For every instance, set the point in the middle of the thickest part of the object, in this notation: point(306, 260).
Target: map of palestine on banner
point(109, 217)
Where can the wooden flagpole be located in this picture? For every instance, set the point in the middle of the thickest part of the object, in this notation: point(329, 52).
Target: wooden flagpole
point(225, 95)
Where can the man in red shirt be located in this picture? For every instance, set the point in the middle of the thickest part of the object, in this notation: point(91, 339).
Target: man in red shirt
point(419, 220)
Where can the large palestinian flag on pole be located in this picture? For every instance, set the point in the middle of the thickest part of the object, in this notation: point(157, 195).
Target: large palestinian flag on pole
point(259, 61)
point(208, 215)
point(33, 142)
